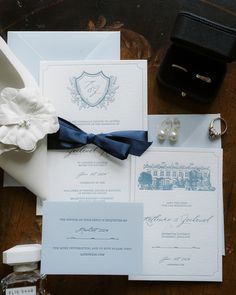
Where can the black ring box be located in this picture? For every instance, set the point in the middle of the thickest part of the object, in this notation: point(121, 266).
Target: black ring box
point(196, 62)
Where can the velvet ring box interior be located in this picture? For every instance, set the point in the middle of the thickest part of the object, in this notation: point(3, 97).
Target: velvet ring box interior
point(196, 62)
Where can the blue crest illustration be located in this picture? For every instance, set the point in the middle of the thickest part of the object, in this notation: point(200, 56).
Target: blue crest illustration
point(93, 89)
point(163, 176)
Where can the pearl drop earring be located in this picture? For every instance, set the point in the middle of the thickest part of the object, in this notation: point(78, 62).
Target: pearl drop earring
point(164, 130)
point(174, 133)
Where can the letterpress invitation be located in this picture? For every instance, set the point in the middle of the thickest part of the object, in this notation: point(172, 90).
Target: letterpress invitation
point(182, 195)
point(102, 96)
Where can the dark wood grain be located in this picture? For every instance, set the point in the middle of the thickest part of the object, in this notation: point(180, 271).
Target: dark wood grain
point(145, 27)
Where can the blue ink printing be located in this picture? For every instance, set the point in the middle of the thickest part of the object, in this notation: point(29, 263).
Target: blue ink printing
point(93, 90)
point(174, 176)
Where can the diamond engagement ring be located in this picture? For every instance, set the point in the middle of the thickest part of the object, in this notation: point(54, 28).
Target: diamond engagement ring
point(213, 133)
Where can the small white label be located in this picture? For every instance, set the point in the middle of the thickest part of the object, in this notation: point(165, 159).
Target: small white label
point(22, 291)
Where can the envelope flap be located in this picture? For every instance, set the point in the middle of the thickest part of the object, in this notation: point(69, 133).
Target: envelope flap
point(105, 48)
point(24, 51)
point(29, 169)
point(31, 47)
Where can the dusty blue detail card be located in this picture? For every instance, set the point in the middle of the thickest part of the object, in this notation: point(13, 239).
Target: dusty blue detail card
point(92, 238)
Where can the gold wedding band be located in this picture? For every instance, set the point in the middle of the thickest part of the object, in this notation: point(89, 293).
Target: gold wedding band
point(213, 133)
point(204, 78)
point(179, 67)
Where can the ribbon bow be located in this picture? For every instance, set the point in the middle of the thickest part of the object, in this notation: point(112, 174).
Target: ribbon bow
point(118, 144)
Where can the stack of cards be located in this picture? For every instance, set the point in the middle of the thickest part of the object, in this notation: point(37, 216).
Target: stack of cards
point(177, 233)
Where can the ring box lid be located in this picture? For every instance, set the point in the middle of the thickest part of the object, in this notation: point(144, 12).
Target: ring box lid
point(205, 36)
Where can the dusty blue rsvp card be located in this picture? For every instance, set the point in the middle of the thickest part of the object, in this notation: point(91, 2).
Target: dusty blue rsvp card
point(92, 238)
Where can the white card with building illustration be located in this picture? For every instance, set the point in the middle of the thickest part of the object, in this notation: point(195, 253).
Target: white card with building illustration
point(182, 194)
point(98, 97)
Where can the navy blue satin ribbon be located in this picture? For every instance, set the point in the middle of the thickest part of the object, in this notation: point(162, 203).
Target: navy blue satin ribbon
point(118, 144)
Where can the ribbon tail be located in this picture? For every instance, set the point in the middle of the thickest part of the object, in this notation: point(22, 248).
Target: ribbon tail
point(137, 141)
point(138, 147)
point(117, 149)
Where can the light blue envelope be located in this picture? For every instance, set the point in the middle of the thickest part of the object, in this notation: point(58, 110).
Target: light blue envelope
point(32, 47)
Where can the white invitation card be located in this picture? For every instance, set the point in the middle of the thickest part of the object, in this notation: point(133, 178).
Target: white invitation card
point(97, 97)
point(182, 195)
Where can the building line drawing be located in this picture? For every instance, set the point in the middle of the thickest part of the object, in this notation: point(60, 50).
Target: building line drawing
point(173, 176)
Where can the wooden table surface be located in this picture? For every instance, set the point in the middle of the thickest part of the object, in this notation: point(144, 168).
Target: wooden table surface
point(145, 29)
